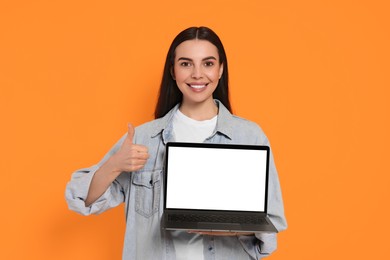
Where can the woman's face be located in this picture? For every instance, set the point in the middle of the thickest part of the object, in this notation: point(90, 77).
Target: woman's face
point(197, 70)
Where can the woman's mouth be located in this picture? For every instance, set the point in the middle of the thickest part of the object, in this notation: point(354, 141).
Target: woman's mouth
point(197, 86)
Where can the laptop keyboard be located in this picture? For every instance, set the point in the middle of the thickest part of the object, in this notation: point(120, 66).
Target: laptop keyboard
point(217, 218)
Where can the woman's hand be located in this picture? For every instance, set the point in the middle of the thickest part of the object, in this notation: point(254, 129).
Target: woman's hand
point(130, 157)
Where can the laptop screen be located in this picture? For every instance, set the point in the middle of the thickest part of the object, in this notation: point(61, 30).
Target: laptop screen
point(216, 177)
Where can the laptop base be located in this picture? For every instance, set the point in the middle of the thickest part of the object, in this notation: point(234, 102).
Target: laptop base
point(219, 227)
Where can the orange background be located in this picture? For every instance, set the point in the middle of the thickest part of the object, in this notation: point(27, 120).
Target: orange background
point(313, 74)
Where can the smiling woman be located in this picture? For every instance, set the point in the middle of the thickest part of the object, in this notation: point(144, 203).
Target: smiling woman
point(193, 106)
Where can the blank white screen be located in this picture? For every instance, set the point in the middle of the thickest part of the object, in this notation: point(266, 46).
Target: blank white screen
point(216, 179)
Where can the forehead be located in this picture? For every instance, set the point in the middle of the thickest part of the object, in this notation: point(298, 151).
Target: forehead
point(196, 49)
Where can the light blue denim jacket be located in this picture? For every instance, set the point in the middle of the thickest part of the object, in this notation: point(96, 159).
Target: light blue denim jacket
point(142, 193)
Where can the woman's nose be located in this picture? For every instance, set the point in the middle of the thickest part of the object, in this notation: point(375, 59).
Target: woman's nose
point(196, 72)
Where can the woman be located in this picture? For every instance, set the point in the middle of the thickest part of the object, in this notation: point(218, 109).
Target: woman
point(193, 106)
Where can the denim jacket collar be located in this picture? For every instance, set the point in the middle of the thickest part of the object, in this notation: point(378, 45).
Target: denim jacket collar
point(164, 124)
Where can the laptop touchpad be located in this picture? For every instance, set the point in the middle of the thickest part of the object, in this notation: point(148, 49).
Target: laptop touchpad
point(218, 226)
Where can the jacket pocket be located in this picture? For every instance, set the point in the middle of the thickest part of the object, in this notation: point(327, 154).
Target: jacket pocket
point(147, 186)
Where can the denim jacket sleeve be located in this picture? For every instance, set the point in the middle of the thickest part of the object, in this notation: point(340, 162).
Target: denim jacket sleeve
point(77, 189)
point(267, 242)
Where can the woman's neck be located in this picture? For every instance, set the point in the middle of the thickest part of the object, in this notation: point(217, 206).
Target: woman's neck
point(199, 111)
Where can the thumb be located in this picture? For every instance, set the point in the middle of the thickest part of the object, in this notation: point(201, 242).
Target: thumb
point(130, 132)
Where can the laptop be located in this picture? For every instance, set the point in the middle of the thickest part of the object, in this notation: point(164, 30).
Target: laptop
point(216, 187)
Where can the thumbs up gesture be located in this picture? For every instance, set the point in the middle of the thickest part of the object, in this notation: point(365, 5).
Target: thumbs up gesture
point(130, 157)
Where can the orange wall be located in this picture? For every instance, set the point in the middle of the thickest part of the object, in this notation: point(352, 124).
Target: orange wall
point(313, 74)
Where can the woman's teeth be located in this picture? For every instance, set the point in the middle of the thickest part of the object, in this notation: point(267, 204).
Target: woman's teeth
point(197, 86)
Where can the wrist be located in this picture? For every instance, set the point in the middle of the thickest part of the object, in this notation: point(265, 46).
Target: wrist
point(110, 167)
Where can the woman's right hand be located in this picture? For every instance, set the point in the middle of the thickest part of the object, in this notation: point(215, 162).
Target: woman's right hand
point(130, 157)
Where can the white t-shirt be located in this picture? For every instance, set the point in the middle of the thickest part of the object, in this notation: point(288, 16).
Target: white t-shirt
point(186, 129)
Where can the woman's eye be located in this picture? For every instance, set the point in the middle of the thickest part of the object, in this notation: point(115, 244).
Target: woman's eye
point(185, 64)
point(209, 63)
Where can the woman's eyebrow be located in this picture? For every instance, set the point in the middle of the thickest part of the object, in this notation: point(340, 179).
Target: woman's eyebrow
point(207, 58)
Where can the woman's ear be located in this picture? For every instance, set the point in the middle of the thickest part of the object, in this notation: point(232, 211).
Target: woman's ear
point(221, 71)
